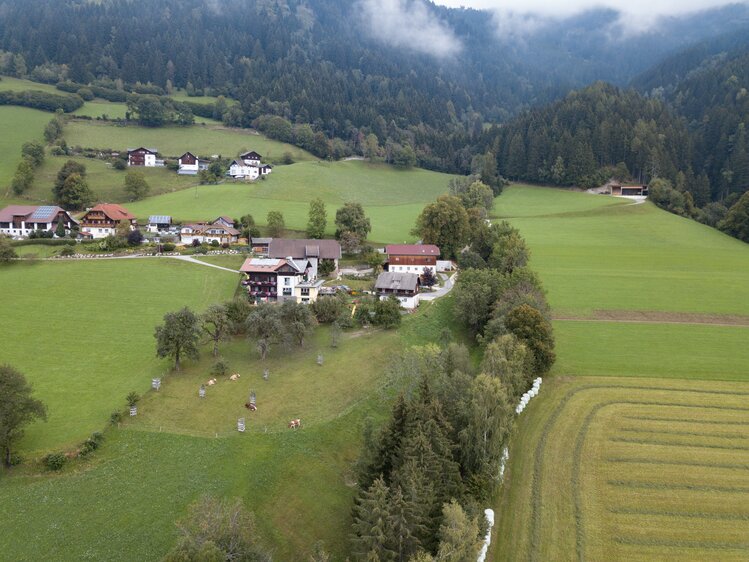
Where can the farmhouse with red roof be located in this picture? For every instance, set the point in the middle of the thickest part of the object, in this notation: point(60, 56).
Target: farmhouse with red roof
point(102, 220)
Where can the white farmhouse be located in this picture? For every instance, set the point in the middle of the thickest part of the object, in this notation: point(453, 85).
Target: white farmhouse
point(22, 220)
point(189, 164)
point(142, 156)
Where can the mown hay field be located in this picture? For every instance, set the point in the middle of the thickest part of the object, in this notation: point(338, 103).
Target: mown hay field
point(624, 469)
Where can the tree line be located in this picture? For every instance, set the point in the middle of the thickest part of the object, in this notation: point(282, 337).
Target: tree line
point(424, 477)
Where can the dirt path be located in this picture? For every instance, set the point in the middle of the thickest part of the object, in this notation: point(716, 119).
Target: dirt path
point(653, 317)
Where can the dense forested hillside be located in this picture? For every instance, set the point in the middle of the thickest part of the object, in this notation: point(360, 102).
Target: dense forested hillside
point(592, 135)
point(336, 65)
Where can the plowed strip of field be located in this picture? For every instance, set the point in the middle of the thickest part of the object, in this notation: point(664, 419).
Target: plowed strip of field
point(656, 317)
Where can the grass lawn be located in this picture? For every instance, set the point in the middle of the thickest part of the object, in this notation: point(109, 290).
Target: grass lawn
point(623, 469)
point(173, 141)
point(392, 198)
point(106, 182)
point(19, 125)
point(87, 346)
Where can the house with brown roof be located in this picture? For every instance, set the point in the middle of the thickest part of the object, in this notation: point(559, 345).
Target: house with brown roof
point(306, 249)
point(403, 286)
point(220, 230)
point(22, 220)
point(101, 221)
point(189, 164)
point(143, 156)
point(412, 258)
point(277, 280)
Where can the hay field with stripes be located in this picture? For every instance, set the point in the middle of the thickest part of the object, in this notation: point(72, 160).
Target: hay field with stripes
point(629, 469)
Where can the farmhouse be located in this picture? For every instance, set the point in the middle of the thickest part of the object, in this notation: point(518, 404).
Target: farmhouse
point(269, 280)
point(248, 167)
point(629, 190)
point(22, 220)
point(220, 230)
point(159, 223)
point(189, 164)
point(102, 220)
point(143, 157)
point(403, 286)
point(412, 258)
point(260, 246)
point(306, 249)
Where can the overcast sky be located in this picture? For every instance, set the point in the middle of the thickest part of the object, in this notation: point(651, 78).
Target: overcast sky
point(565, 7)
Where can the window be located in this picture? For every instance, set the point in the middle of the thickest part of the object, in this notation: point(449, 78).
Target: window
point(287, 281)
point(287, 291)
point(305, 290)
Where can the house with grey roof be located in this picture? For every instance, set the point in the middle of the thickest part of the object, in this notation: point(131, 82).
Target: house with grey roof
point(305, 249)
point(22, 220)
point(159, 223)
point(401, 285)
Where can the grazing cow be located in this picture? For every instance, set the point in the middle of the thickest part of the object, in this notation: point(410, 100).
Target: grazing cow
point(234, 377)
point(211, 382)
point(294, 424)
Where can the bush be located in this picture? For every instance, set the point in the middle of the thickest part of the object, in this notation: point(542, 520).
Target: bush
point(42, 100)
point(132, 399)
point(15, 459)
point(85, 93)
point(329, 309)
point(168, 247)
point(119, 164)
point(220, 368)
point(115, 418)
point(215, 243)
point(55, 461)
point(67, 251)
point(91, 444)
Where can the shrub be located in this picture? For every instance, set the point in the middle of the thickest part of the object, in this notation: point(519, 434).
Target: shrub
point(119, 164)
point(220, 368)
point(168, 247)
point(15, 459)
point(132, 399)
point(328, 310)
point(55, 461)
point(215, 243)
point(91, 444)
point(86, 94)
point(67, 251)
point(115, 418)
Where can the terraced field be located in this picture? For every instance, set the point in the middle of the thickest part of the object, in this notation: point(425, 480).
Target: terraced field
point(622, 469)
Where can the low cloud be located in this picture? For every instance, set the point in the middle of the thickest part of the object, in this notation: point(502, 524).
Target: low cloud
point(519, 17)
point(411, 25)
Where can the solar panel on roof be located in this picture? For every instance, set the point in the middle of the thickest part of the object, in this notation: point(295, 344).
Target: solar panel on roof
point(43, 212)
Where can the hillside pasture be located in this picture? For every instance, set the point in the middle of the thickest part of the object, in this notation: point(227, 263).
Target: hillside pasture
point(19, 125)
point(106, 182)
point(172, 141)
point(392, 198)
point(595, 253)
point(77, 337)
point(624, 469)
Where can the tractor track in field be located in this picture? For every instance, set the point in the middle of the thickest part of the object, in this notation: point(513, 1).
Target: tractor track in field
point(655, 317)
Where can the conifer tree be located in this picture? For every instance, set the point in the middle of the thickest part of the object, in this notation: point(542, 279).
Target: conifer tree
point(372, 524)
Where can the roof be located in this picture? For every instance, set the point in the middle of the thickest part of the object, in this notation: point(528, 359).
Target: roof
point(201, 227)
point(269, 265)
point(188, 153)
point(251, 155)
point(412, 249)
point(44, 213)
point(113, 211)
point(151, 150)
point(304, 248)
point(395, 280)
point(224, 218)
point(160, 219)
point(261, 240)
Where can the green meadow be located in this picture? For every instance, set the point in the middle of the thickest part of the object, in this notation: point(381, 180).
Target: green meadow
point(392, 198)
point(106, 182)
point(173, 141)
point(86, 346)
point(596, 253)
point(19, 125)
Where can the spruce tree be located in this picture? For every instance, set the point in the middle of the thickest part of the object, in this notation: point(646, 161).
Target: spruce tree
point(372, 523)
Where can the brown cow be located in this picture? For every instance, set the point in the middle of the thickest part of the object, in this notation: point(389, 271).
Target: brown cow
point(294, 424)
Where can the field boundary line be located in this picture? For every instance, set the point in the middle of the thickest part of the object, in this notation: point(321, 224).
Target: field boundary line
point(684, 514)
point(591, 319)
point(661, 443)
point(635, 460)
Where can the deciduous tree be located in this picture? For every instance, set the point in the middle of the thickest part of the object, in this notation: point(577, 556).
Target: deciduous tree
point(216, 325)
point(136, 185)
point(351, 218)
point(445, 224)
point(276, 224)
point(318, 219)
point(18, 408)
point(179, 336)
